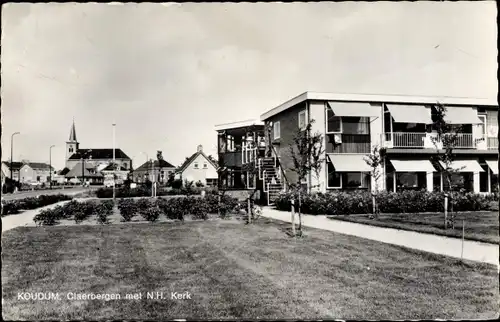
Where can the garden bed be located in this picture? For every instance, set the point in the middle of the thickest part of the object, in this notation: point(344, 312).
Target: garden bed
point(12, 207)
point(480, 226)
point(100, 211)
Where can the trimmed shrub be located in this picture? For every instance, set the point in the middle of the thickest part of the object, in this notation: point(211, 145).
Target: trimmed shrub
point(102, 211)
point(360, 202)
point(46, 217)
point(151, 214)
point(199, 208)
point(128, 209)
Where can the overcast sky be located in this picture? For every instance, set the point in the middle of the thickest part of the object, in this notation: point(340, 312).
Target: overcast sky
point(169, 73)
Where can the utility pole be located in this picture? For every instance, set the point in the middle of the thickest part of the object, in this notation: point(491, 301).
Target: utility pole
point(12, 153)
point(114, 163)
point(50, 166)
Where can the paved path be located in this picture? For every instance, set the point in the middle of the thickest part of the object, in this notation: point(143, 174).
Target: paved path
point(34, 193)
point(24, 218)
point(474, 251)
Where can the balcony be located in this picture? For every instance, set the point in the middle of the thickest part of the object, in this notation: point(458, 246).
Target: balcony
point(424, 140)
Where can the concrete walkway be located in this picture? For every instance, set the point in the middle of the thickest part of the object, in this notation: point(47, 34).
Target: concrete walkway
point(24, 218)
point(474, 251)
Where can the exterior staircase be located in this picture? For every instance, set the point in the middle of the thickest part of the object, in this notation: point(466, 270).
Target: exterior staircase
point(270, 174)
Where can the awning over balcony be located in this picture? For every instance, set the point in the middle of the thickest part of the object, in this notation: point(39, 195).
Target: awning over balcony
point(410, 113)
point(349, 162)
point(354, 109)
point(493, 166)
point(461, 115)
point(465, 166)
point(413, 166)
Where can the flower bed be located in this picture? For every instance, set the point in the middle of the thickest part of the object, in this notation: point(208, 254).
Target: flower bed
point(146, 192)
point(346, 203)
point(14, 206)
point(78, 211)
point(177, 208)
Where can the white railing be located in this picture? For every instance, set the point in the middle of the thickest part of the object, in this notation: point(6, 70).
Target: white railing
point(492, 143)
point(424, 140)
point(248, 155)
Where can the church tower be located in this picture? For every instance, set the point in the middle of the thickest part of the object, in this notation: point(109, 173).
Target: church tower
point(72, 145)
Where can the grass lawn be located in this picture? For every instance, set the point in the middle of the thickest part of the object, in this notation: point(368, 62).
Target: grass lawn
point(235, 271)
point(479, 226)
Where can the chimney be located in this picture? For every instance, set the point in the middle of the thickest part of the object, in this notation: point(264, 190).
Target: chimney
point(200, 148)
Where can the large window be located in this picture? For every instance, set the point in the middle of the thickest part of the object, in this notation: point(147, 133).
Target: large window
point(334, 123)
point(347, 180)
point(407, 180)
point(276, 130)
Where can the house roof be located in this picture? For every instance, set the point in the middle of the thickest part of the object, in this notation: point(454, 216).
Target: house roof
point(100, 154)
point(39, 166)
point(375, 98)
point(147, 165)
point(63, 171)
point(191, 159)
point(110, 168)
point(237, 125)
point(15, 165)
point(77, 171)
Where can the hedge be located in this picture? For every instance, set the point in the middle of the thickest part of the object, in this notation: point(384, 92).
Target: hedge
point(360, 202)
point(14, 206)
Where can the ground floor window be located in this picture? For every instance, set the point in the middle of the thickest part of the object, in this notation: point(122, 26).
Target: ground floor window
point(463, 180)
point(347, 180)
point(484, 181)
point(398, 181)
point(212, 182)
point(234, 179)
point(494, 182)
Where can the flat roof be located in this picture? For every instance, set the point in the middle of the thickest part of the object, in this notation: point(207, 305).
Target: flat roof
point(376, 98)
point(236, 125)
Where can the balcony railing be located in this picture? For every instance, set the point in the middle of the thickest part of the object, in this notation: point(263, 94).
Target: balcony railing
point(492, 143)
point(424, 140)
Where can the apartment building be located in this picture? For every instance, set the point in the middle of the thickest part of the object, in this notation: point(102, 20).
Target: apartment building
point(352, 124)
point(240, 147)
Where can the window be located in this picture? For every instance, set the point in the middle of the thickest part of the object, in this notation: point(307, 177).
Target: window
point(277, 130)
point(352, 180)
point(302, 120)
point(205, 165)
point(196, 165)
point(334, 123)
point(407, 180)
point(70, 149)
point(355, 125)
point(334, 178)
point(38, 178)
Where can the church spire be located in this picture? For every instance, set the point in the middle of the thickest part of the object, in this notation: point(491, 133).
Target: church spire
point(72, 133)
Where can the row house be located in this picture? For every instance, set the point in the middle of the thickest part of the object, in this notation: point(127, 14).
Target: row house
point(148, 170)
point(404, 126)
point(352, 124)
point(36, 172)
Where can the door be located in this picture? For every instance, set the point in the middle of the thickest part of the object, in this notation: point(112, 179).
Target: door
point(480, 134)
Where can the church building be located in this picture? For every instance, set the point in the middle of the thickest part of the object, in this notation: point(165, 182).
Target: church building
point(98, 159)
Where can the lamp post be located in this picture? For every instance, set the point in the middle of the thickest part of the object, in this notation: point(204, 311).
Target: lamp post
point(50, 166)
point(12, 152)
point(114, 163)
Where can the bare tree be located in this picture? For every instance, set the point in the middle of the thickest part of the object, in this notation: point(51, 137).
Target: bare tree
point(307, 155)
point(374, 161)
point(446, 139)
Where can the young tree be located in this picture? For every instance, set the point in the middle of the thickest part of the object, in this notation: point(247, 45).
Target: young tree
point(307, 155)
point(374, 161)
point(446, 139)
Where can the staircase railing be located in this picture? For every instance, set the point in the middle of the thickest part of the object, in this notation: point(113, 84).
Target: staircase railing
point(277, 164)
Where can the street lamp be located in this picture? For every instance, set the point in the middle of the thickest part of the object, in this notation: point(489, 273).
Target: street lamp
point(50, 166)
point(12, 152)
